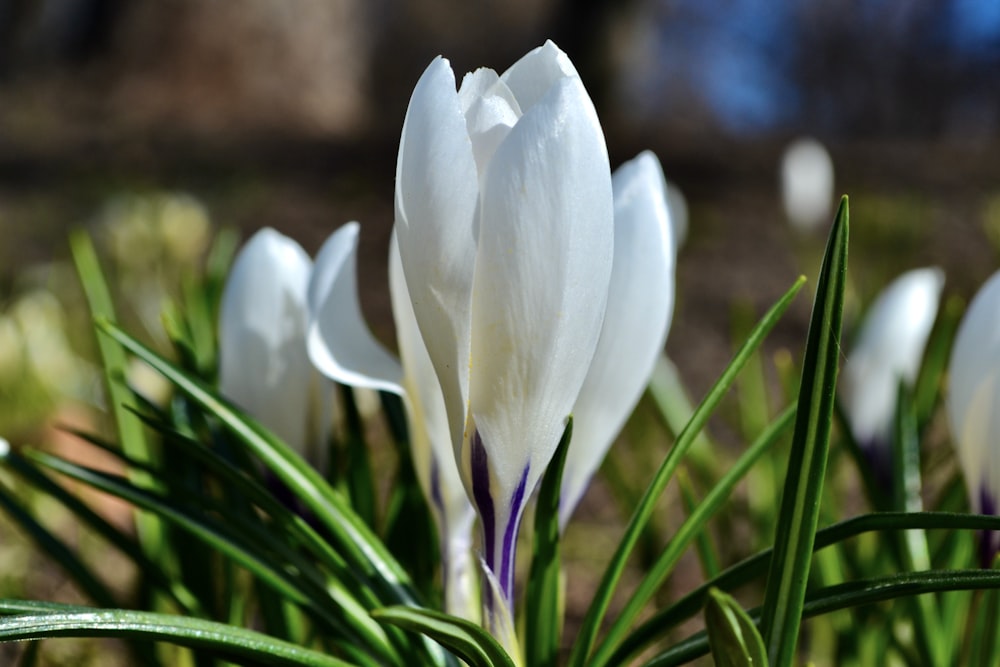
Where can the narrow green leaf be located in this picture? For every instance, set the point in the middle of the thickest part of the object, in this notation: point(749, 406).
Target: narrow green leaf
point(799, 514)
point(362, 550)
point(115, 365)
point(465, 639)
point(732, 636)
point(985, 642)
point(360, 486)
point(226, 640)
point(707, 556)
point(665, 620)
point(847, 596)
point(53, 547)
point(543, 598)
point(694, 525)
point(151, 570)
point(609, 582)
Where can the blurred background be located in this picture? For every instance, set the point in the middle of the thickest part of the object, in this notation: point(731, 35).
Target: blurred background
point(151, 122)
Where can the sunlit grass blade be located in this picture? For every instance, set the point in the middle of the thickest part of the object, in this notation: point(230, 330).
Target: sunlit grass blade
point(465, 639)
point(799, 514)
point(690, 529)
point(149, 569)
point(675, 408)
point(609, 582)
point(543, 606)
point(750, 568)
point(115, 365)
point(225, 640)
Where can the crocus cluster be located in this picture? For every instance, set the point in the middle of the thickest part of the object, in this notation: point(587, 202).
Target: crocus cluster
point(528, 284)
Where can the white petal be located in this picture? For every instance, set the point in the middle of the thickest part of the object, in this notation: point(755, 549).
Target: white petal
point(490, 111)
point(531, 77)
point(340, 344)
point(973, 400)
point(889, 349)
point(263, 366)
point(430, 437)
point(436, 193)
point(542, 274)
point(640, 304)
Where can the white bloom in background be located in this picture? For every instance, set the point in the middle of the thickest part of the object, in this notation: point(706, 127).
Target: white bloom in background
point(888, 350)
point(342, 347)
point(973, 403)
point(807, 184)
point(263, 365)
point(504, 221)
point(640, 304)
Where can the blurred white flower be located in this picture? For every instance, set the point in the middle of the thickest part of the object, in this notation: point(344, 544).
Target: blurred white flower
point(504, 220)
point(263, 365)
point(888, 350)
point(640, 304)
point(807, 184)
point(973, 403)
point(678, 209)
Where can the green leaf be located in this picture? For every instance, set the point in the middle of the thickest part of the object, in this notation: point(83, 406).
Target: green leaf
point(666, 619)
point(356, 543)
point(850, 595)
point(799, 514)
point(707, 555)
point(609, 582)
point(115, 365)
point(543, 606)
point(465, 639)
point(691, 528)
point(732, 636)
point(226, 640)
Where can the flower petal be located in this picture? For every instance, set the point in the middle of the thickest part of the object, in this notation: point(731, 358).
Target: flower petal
point(888, 349)
point(640, 304)
point(490, 111)
point(263, 366)
point(436, 193)
point(973, 399)
point(531, 77)
point(542, 273)
point(340, 344)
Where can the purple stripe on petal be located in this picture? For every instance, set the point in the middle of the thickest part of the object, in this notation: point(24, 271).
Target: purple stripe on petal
point(481, 494)
point(436, 485)
point(506, 574)
point(987, 538)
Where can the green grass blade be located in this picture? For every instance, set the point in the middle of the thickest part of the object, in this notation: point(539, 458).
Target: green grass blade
point(663, 621)
point(849, 595)
point(692, 527)
point(115, 364)
point(360, 485)
point(612, 575)
point(707, 556)
point(53, 547)
point(803, 489)
point(362, 550)
point(149, 569)
point(543, 598)
point(465, 639)
point(226, 640)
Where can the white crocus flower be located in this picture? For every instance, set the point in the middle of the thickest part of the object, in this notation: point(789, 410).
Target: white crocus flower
point(504, 221)
point(888, 350)
point(263, 365)
point(640, 304)
point(807, 184)
point(342, 347)
point(973, 403)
